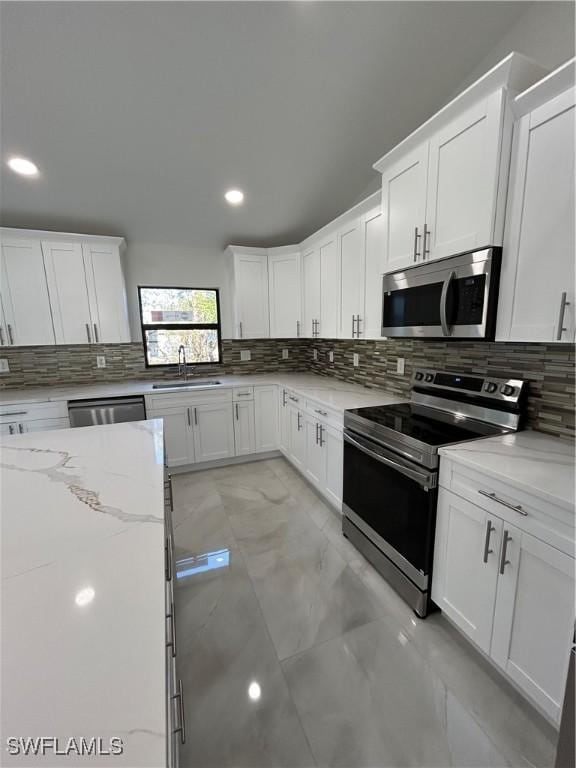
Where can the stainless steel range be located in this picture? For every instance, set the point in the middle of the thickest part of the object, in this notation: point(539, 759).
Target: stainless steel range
point(391, 468)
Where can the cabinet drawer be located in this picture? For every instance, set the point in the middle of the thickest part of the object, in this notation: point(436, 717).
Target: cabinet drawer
point(544, 520)
point(199, 397)
point(324, 414)
point(30, 411)
point(242, 393)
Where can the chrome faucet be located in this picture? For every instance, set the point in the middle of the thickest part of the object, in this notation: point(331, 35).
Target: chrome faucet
point(182, 370)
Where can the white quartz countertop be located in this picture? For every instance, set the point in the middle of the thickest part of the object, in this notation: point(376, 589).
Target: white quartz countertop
point(335, 394)
point(83, 591)
point(531, 461)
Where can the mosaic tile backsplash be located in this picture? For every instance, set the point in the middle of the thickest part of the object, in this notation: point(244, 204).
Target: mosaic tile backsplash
point(549, 368)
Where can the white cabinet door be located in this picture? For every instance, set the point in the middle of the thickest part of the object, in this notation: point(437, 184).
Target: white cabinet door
point(310, 292)
point(68, 292)
point(25, 301)
point(178, 436)
point(352, 287)
point(251, 296)
point(373, 245)
point(466, 565)
point(333, 446)
point(266, 418)
point(534, 618)
point(329, 287)
point(244, 439)
point(404, 208)
point(284, 423)
point(106, 292)
point(213, 429)
point(284, 295)
point(539, 237)
point(315, 463)
point(463, 179)
point(297, 449)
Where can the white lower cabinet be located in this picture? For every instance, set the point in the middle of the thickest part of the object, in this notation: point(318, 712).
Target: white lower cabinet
point(296, 437)
point(244, 432)
point(315, 465)
point(324, 458)
point(334, 449)
point(213, 431)
point(511, 593)
point(178, 437)
point(266, 418)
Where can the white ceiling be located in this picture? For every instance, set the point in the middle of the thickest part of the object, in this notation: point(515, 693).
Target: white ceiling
point(141, 115)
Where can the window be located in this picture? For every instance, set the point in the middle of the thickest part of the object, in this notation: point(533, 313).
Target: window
point(172, 317)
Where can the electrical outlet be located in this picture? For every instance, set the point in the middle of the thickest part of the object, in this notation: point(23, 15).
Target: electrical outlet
point(315, 354)
point(285, 354)
point(400, 365)
point(331, 356)
point(4, 367)
point(100, 361)
point(245, 355)
point(356, 360)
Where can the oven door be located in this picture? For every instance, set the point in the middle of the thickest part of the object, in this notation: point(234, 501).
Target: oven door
point(393, 502)
point(453, 297)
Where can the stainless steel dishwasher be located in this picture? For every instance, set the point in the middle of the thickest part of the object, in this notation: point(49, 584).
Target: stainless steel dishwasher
point(112, 410)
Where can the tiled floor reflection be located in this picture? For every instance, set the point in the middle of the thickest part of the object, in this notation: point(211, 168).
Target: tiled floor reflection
point(294, 652)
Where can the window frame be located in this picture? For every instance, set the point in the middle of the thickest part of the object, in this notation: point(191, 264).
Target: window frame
point(179, 326)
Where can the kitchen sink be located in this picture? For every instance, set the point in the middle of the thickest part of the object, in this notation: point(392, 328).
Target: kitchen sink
point(187, 384)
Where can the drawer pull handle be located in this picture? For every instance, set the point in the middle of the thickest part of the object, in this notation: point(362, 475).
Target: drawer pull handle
point(182, 728)
point(168, 551)
point(487, 550)
point(322, 413)
point(503, 561)
point(515, 507)
point(172, 642)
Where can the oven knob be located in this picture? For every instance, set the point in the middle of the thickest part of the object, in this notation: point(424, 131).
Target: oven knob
point(429, 377)
point(418, 375)
point(507, 390)
point(490, 387)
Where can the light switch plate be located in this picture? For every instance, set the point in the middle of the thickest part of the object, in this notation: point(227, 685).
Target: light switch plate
point(4, 367)
point(285, 354)
point(400, 365)
point(100, 361)
point(356, 360)
point(331, 356)
point(315, 354)
point(245, 355)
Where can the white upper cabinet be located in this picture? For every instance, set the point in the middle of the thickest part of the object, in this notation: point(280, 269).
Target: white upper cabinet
point(463, 176)
point(444, 186)
point(24, 295)
point(310, 292)
point(404, 186)
point(68, 292)
point(352, 287)
point(284, 293)
point(106, 293)
point(373, 244)
point(329, 287)
point(537, 283)
point(249, 282)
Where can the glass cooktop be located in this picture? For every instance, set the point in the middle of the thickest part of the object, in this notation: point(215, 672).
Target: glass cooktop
point(428, 425)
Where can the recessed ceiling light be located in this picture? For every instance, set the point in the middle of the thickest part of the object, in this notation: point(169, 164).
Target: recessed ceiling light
point(84, 596)
point(234, 196)
point(23, 166)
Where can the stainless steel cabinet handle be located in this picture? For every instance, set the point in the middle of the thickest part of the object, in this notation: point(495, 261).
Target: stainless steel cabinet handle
point(516, 507)
point(236, 408)
point(322, 413)
point(503, 561)
point(196, 416)
point(188, 414)
point(10, 429)
point(20, 428)
point(487, 550)
point(299, 420)
point(294, 399)
point(297, 329)
point(168, 553)
point(563, 305)
point(353, 326)
point(171, 493)
point(358, 321)
point(15, 413)
point(320, 438)
point(96, 337)
point(1, 336)
point(172, 618)
point(317, 425)
point(416, 238)
point(88, 333)
point(182, 728)
point(10, 334)
point(240, 328)
point(284, 397)
point(425, 251)
point(444, 302)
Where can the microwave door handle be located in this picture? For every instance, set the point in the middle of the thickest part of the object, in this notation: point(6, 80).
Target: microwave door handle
point(422, 478)
point(444, 302)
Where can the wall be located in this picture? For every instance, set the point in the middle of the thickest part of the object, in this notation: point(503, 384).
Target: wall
point(158, 264)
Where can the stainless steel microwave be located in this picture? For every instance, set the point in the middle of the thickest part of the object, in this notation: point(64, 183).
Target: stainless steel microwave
point(455, 297)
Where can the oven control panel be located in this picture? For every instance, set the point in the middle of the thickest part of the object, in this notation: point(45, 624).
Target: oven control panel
point(508, 390)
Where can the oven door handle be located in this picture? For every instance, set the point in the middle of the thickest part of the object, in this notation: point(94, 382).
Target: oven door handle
point(444, 302)
point(425, 479)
